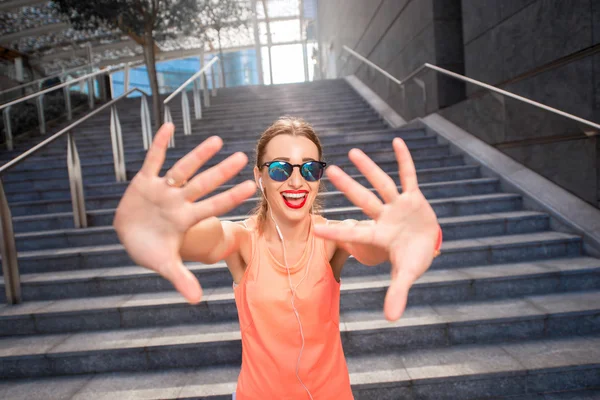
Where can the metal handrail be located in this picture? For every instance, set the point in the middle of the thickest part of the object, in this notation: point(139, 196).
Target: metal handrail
point(10, 266)
point(50, 89)
point(477, 83)
point(191, 78)
point(39, 96)
point(200, 83)
point(45, 78)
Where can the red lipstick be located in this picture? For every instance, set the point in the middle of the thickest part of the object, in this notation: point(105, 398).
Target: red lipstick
point(295, 203)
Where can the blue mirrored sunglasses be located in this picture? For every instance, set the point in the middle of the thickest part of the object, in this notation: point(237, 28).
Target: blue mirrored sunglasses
point(281, 171)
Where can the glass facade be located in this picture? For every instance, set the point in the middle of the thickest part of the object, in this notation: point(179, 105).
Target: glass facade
point(240, 69)
point(286, 63)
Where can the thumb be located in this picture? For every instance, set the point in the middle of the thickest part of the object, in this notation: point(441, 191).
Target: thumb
point(396, 298)
point(407, 267)
point(397, 295)
point(184, 281)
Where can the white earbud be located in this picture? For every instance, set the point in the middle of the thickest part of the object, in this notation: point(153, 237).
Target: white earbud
point(260, 184)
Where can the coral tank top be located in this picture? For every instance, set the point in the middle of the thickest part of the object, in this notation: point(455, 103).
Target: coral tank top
point(271, 339)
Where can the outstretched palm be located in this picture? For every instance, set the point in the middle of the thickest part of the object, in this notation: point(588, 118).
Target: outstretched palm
point(152, 217)
point(405, 225)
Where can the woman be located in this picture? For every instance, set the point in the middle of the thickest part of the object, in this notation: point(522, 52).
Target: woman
point(285, 260)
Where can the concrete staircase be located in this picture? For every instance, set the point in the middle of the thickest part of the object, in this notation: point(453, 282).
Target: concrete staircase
point(511, 309)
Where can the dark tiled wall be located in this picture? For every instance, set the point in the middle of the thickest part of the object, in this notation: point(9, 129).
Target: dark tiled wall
point(500, 42)
point(399, 36)
point(530, 48)
point(507, 39)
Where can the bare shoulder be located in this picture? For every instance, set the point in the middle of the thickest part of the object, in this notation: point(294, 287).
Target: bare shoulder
point(240, 233)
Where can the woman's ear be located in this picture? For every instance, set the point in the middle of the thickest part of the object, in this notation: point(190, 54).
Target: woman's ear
point(257, 178)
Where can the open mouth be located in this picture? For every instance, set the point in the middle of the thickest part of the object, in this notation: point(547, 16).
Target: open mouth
point(294, 198)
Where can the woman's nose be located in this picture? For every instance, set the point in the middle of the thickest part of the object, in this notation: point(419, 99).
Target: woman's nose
point(296, 178)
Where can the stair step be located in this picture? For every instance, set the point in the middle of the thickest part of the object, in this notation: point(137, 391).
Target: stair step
point(207, 271)
point(466, 372)
point(363, 333)
point(421, 147)
point(366, 292)
point(436, 160)
point(477, 225)
point(590, 394)
point(454, 205)
point(58, 157)
point(111, 200)
point(452, 200)
point(337, 154)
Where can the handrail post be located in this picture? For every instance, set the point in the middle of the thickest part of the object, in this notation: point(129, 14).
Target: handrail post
point(197, 102)
point(146, 124)
point(90, 84)
point(185, 109)
point(221, 78)
point(206, 93)
point(126, 79)
point(102, 87)
point(423, 87)
point(112, 86)
point(200, 77)
point(10, 265)
point(41, 116)
point(76, 183)
point(168, 118)
point(213, 79)
point(67, 94)
point(7, 128)
point(116, 137)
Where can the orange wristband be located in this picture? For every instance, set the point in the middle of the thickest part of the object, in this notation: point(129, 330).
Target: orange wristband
point(438, 245)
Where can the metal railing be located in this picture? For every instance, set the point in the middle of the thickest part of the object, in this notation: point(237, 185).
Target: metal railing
point(200, 83)
point(463, 78)
point(39, 97)
point(168, 88)
point(126, 72)
point(40, 81)
point(10, 267)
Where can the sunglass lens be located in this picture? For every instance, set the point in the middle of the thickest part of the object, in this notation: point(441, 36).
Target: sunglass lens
point(312, 171)
point(280, 171)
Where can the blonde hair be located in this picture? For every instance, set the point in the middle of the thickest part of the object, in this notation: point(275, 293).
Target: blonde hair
point(285, 126)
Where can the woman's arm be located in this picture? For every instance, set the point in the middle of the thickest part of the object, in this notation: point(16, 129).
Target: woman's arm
point(211, 241)
point(369, 254)
point(365, 253)
point(155, 213)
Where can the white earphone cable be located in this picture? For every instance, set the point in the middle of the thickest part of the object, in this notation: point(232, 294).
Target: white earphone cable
point(292, 288)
